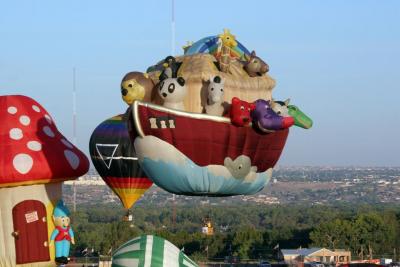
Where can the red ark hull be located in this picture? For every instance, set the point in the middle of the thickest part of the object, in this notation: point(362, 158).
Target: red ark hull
point(208, 140)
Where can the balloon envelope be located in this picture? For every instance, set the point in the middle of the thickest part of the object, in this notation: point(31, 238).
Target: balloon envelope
point(197, 154)
point(114, 158)
point(149, 250)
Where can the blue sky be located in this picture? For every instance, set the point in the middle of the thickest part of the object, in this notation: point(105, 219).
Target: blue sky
point(337, 60)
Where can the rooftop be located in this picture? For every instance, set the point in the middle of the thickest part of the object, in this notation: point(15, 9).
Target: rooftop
point(301, 251)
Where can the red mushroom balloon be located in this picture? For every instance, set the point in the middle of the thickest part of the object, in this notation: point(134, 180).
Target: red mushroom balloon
point(33, 150)
point(35, 159)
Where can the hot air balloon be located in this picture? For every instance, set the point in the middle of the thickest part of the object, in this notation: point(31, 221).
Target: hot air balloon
point(35, 160)
point(187, 150)
point(150, 250)
point(114, 158)
point(207, 127)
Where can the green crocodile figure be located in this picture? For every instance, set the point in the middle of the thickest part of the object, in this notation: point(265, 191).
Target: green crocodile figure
point(300, 119)
point(282, 108)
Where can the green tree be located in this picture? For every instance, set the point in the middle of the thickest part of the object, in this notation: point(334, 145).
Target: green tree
point(371, 231)
point(333, 234)
point(245, 241)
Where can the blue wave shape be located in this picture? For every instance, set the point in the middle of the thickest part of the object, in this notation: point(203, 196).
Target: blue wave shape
point(191, 179)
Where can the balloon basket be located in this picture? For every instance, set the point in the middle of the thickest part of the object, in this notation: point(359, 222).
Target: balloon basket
point(128, 217)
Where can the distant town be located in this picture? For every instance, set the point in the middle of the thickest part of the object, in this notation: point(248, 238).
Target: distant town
point(311, 185)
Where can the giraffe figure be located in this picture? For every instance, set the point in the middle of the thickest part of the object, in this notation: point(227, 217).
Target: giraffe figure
point(187, 46)
point(228, 42)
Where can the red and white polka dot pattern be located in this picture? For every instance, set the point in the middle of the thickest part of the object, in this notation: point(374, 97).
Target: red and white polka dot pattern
point(32, 148)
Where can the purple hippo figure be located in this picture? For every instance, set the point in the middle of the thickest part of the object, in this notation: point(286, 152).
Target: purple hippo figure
point(267, 120)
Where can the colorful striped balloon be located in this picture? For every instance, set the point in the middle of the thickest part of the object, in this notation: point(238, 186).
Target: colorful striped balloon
point(114, 158)
point(150, 251)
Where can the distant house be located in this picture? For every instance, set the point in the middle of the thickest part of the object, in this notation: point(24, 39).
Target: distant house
point(315, 254)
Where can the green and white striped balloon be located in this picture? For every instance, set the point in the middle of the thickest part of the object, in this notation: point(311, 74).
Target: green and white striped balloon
point(150, 251)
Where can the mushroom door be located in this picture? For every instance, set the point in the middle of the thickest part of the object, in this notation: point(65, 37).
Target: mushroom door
point(30, 232)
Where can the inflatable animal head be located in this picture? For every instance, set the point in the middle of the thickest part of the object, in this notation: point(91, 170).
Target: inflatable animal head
point(173, 91)
point(280, 107)
point(267, 120)
point(228, 39)
point(255, 66)
point(215, 90)
point(171, 68)
point(300, 118)
point(136, 86)
point(283, 108)
point(240, 112)
point(239, 167)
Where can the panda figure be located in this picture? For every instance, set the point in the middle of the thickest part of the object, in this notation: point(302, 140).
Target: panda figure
point(173, 92)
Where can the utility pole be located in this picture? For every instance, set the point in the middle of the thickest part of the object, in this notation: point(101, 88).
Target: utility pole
point(362, 252)
point(173, 28)
point(173, 54)
point(394, 254)
point(74, 128)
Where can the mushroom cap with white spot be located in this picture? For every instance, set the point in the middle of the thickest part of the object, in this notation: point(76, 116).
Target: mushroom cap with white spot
point(16, 133)
point(72, 159)
point(66, 143)
point(48, 131)
point(12, 110)
point(35, 108)
point(48, 118)
point(24, 120)
point(34, 151)
point(22, 163)
point(34, 145)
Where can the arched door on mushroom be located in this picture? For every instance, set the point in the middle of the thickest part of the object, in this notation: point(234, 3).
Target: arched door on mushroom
point(30, 230)
point(35, 159)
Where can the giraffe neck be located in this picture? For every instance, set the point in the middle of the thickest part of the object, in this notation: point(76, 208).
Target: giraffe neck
point(226, 50)
point(225, 59)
